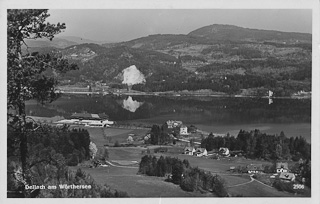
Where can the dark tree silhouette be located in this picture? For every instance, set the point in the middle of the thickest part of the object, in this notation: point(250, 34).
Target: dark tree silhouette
point(28, 75)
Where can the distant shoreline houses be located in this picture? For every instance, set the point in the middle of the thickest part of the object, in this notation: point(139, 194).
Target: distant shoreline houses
point(199, 152)
point(88, 119)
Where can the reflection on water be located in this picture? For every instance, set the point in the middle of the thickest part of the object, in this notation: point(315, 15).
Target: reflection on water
point(270, 101)
point(131, 105)
point(210, 113)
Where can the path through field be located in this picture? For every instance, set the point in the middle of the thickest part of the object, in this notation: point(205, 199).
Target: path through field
point(130, 167)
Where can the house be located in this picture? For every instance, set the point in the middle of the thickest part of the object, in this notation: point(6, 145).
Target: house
point(224, 151)
point(184, 130)
point(282, 167)
point(287, 177)
point(168, 176)
point(232, 168)
point(201, 152)
point(189, 150)
point(146, 138)
point(254, 168)
point(130, 139)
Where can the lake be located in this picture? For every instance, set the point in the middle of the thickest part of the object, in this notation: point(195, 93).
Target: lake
point(212, 114)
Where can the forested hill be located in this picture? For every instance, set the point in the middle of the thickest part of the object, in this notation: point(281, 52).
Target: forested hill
point(235, 33)
point(221, 58)
point(217, 33)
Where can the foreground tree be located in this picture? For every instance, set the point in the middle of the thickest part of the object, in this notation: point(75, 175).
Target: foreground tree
point(31, 75)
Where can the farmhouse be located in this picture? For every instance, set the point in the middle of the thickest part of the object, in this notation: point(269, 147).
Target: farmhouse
point(282, 167)
point(224, 151)
point(254, 168)
point(147, 136)
point(168, 176)
point(189, 150)
point(287, 177)
point(130, 139)
point(201, 152)
point(183, 130)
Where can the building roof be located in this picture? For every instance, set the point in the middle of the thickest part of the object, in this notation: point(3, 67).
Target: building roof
point(200, 149)
point(188, 149)
point(287, 176)
point(282, 165)
point(99, 116)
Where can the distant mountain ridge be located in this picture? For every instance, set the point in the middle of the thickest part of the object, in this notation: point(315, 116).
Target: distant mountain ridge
point(61, 42)
point(81, 40)
point(235, 33)
point(221, 58)
point(56, 43)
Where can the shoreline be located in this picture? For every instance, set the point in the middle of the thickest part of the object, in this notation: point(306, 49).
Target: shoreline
point(179, 94)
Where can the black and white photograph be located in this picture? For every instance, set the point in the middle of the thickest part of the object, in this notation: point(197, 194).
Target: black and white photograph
point(161, 101)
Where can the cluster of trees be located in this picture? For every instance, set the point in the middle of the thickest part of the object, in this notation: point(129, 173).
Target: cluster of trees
point(189, 178)
point(255, 144)
point(56, 174)
point(234, 49)
point(160, 135)
point(306, 46)
point(303, 170)
point(182, 83)
point(185, 58)
point(282, 84)
point(50, 151)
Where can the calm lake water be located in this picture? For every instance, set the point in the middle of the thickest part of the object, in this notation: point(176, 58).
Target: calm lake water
point(212, 114)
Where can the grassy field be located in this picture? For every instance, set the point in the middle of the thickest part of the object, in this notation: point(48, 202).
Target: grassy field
point(135, 185)
point(103, 136)
point(125, 153)
point(255, 189)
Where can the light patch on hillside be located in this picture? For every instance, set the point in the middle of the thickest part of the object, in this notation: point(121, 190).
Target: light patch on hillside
point(131, 76)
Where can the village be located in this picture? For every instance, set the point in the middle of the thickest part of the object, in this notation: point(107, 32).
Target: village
point(125, 146)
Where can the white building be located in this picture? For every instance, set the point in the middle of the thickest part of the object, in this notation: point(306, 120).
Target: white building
point(184, 130)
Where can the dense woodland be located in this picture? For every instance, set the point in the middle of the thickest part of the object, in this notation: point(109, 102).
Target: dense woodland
point(255, 144)
point(181, 173)
point(50, 151)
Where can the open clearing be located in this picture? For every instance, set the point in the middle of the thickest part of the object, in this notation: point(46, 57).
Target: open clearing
point(102, 136)
point(125, 179)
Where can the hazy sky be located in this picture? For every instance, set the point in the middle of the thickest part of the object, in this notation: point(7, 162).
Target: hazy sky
point(127, 24)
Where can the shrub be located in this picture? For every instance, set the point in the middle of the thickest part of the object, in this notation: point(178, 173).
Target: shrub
point(117, 144)
point(218, 187)
point(188, 184)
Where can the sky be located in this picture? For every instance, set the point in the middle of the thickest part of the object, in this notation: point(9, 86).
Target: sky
point(116, 25)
